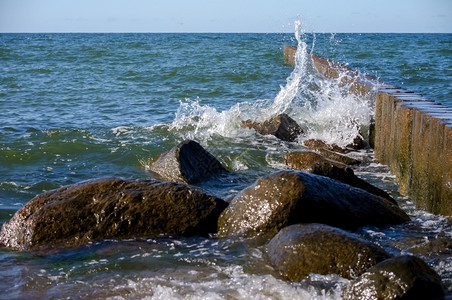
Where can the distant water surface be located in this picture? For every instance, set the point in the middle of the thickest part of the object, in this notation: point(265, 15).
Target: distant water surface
point(80, 106)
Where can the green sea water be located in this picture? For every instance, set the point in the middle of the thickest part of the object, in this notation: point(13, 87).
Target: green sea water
point(80, 106)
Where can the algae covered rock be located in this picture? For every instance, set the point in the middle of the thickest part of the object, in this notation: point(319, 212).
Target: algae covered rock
point(346, 175)
point(402, 277)
point(299, 250)
point(188, 162)
point(282, 126)
point(111, 208)
point(290, 197)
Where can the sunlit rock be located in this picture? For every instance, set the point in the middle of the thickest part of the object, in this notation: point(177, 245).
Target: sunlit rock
point(346, 175)
point(111, 208)
point(402, 277)
point(346, 160)
point(299, 250)
point(282, 126)
point(188, 162)
point(290, 197)
point(300, 160)
point(312, 144)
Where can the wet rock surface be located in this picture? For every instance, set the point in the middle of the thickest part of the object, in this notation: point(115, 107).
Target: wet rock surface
point(402, 277)
point(290, 197)
point(346, 175)
point(301, 160)
point(299, 250)
point(282, 126)
point(111, 208)
point(188, 162)
point(358, 143)
point(346, 160)
point(313, 144)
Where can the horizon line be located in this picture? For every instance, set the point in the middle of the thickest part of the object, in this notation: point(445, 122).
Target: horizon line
point(215, 32)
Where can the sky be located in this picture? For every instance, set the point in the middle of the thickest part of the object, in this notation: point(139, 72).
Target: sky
point(225, 15)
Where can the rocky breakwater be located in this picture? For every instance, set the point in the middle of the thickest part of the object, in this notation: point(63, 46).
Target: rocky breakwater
point(411, 134)
point(111, 208)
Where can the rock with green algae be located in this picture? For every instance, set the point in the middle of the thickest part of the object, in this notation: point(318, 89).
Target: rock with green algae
point(111, 208)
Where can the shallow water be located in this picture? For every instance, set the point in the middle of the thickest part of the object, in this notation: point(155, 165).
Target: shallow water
point(81, 106)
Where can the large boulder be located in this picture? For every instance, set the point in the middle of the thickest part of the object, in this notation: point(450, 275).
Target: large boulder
point(300, 160)
point(111, 208)
point(346, 175)
point(282, 126)
point(188, 162)
point(403, 277)
point(299, 250)
point(290, 197)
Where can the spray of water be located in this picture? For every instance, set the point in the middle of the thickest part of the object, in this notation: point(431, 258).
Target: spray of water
point(323, 107)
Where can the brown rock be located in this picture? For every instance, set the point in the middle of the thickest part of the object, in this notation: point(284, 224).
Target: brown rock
point(290, 197)
point(312, 144)
point(346, 175)
point(299, 250)
point(302, 159)
point(282, 126)
point(188, 162)
point(358, 143)
point(402, 277)
point(111, 208)
point(346, 160)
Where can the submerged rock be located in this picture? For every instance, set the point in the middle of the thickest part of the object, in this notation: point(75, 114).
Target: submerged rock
point(188, 162)
point(300, 160)
point(282, 126)
point(111, 208)
point(402, 277)
point(290, 197)
point(313, 144)
point(346, 175)
point(299, 250)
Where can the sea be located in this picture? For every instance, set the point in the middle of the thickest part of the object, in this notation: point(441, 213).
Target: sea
point(78, 106)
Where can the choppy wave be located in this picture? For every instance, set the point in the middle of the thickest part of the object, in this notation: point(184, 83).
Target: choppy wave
point(325, 109)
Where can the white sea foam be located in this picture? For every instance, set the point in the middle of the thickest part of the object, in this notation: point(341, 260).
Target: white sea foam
point(325, 109)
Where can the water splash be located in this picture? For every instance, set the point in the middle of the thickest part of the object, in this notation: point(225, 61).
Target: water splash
point(323, 107)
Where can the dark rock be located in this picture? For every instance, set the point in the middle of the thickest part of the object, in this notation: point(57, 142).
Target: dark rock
point(188, 162)
point(346, 160)
point(402, 277)
point(358, 143)
point(290, 197)
point(372, 134)
point(299, 250)
point(282, 126)
point(111, 208)
point(313, 144)
point(300, 160)
point(347, 176)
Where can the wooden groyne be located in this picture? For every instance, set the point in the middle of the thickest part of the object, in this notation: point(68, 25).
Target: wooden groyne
point(412, 134)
